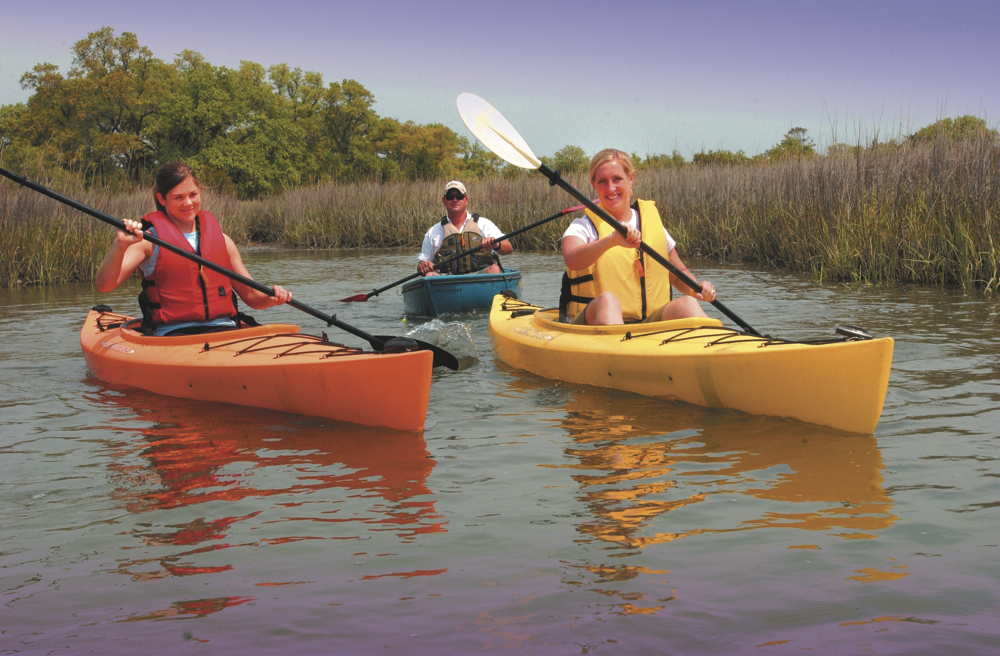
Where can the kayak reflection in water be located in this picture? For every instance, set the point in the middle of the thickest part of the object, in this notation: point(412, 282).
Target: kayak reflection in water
point(454, 234)
point(605, 285)
point(178, 294)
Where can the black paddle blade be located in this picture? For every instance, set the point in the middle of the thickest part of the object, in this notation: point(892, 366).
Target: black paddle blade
point(853, 332)
point(442, 358)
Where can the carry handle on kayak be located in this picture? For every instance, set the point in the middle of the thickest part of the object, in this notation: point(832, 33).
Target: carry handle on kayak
point(442, 358)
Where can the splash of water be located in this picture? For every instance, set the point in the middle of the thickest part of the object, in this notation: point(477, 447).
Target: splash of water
point(455, 337)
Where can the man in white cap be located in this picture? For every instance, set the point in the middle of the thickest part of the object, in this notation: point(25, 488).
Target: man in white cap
point(458, 232)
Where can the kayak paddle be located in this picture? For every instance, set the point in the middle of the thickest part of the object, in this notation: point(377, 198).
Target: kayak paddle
point(442, 358)
point(497, 134)
point(361, 298)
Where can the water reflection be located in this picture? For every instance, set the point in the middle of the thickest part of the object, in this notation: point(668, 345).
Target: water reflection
point(638, 459)
point(650, 472)
point(190, 609)
point(183, 461)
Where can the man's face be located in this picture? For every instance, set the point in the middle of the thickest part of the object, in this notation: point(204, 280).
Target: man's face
point(455, 201)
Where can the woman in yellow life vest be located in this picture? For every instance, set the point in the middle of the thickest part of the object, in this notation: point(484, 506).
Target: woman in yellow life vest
point(608, 280)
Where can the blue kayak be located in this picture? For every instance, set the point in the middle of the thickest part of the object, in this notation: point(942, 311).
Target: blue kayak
point(433, 296)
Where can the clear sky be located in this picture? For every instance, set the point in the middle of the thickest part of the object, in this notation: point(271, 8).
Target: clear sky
point(646, 76)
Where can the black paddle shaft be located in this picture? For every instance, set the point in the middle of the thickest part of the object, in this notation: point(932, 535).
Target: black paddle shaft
point(375, 342)
point(454, 258)
point(556, 179)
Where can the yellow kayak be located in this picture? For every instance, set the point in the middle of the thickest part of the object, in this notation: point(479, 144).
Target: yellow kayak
point(840, 382)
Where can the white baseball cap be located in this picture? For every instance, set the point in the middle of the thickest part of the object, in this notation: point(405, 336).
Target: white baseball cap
point(455, 184)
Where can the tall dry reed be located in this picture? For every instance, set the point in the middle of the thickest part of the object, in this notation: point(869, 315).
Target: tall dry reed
point(46, 242)
point(910, 213)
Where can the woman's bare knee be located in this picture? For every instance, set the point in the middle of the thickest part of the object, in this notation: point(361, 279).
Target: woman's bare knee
point(682, 308)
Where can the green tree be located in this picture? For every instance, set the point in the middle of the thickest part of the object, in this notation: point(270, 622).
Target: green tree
point(842, 149)
point(959, 129)
point(720, 158)
point(97, 116)
point(660, 161)
point(568, 159)
point(350, 125)
point(417, 152)
point(121, 112)
point(477, 162)
point(796, 144)
point(232, 127)
point(10, 118)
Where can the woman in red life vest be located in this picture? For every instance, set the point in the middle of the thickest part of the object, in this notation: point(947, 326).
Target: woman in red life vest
point(177, 295)
point(608, 280)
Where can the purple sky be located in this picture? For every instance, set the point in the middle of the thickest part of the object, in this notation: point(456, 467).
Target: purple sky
point(644, 76)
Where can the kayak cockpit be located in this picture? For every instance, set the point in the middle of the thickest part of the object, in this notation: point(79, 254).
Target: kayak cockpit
point(549, 318)
point(130, 331)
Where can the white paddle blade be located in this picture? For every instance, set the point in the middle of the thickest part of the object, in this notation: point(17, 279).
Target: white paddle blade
point(493, 130)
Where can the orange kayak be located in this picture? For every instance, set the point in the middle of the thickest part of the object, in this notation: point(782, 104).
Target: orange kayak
point(271, 366)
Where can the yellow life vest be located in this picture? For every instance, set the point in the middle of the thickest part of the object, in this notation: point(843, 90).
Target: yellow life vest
point(640, 288)
point(456, 241)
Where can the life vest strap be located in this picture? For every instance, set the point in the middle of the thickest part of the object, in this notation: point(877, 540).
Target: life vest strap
point(566, 295)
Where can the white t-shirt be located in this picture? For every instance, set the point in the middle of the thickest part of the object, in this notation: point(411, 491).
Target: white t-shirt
point(585, 230)
point(148, 265)
point(434, 236)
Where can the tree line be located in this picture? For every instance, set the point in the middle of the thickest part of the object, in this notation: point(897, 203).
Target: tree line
point(120, 111)
point(253, 131)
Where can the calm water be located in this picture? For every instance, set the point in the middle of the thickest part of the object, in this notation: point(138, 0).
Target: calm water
point(528, 517)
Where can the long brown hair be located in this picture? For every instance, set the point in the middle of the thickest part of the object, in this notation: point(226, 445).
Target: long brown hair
point(169, 176)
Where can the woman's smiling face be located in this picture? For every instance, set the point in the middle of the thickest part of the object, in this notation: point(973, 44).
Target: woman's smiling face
point(613, 185)
point(182, 202)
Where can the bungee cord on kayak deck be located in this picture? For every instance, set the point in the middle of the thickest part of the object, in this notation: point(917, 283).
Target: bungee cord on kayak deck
point(332, 350)
point(726, 336)
point(289, 344)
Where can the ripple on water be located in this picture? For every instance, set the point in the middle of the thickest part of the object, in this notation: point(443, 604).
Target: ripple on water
point(529, 515)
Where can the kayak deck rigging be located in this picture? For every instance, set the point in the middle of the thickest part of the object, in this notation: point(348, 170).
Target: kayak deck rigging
point(715, 335)
point(286, 344)
point(329, 350)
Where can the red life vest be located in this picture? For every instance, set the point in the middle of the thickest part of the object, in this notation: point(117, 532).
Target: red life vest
point(182, 290)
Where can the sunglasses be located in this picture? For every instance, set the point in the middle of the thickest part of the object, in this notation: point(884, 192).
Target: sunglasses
point(454, 195)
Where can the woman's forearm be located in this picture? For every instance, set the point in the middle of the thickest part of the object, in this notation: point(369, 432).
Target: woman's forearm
point(580, 255)
point(109, 274)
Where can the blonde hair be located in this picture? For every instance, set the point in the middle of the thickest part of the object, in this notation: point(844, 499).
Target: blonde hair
point(610, 155)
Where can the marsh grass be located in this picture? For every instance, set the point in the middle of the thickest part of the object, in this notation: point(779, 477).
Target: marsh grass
point(923, 213)
point(907, 213)
point(45, 242)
